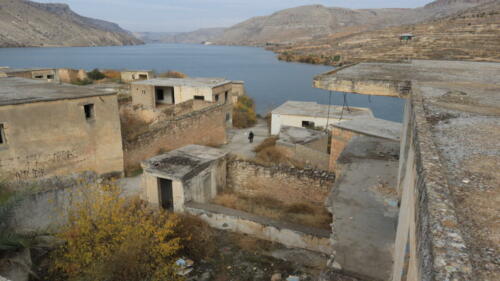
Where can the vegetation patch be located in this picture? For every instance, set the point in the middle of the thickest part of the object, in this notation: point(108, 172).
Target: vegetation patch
point(306, 213)
point(172, 74)
point(244, 113)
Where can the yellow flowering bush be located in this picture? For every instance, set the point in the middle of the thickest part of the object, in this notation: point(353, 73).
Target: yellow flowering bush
point(110, 237)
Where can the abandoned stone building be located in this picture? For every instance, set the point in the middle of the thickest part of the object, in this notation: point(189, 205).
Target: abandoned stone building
point(312, 115)
point(49, 129)
point(159, 92)
point(192, 173)
point(447, 180)
point(128, 76)
point(47, 74)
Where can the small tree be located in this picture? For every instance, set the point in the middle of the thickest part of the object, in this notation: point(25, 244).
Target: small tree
point(110, 238)
point(244, 113)
point(95, 74)
point(172, 74)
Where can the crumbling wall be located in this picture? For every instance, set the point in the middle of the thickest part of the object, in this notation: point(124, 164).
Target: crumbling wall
point(287, 184)
point(203, 127)
point(54, 138)
point(290, 235)
point(67, 75)
point(340, 139)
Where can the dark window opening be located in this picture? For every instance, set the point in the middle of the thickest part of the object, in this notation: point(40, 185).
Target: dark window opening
point(50, 76)
point(307, 124)
point(216, 97)
point(160, 95)
point(38, 76)
point(226, 95)
point(199, 97)
point(89, 111)
point(2, 135)
point(143, 76)
point(228, 116)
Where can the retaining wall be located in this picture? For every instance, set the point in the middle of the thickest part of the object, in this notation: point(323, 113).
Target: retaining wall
point(203, 127)
point(284, 183)
point(290, 235)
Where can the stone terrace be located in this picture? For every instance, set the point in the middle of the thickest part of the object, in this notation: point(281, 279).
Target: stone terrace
point(450, 162)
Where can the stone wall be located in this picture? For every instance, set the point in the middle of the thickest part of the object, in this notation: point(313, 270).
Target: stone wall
point(54, 138)
point(290, 235)
point(203, 127)
point(67, 75)
point(287, 184)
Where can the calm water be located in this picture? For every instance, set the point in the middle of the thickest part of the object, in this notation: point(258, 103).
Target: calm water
point(269, 81)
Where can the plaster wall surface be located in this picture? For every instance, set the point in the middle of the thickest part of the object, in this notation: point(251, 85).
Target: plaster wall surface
point(279, 120)
point(45, 139)
point(130, 76)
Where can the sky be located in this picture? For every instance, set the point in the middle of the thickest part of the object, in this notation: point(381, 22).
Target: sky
point(188, 15)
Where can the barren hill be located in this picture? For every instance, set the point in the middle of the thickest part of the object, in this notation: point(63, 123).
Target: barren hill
point(315, 21)
point(29, 24)
point(197, 36)
point(471, 34)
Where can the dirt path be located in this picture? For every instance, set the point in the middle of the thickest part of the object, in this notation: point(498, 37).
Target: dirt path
point(238, 139)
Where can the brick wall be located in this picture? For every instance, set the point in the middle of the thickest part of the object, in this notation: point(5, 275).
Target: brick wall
point(204, 127)
point(340, 139)
point(283, 183)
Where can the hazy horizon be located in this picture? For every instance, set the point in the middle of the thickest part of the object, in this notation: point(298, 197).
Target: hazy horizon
point(189, 15)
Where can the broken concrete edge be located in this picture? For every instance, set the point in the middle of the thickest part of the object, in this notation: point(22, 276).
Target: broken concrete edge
point(377, 87)
point(444, 253)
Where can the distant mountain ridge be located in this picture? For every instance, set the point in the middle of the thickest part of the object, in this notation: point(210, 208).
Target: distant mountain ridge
point(198, 36)
point(309, 22)
point(25, 23)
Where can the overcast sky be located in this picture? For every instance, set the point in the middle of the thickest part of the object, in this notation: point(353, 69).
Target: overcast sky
point(187, 15)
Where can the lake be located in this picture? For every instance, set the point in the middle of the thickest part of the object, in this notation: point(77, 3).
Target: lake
point(268, 81)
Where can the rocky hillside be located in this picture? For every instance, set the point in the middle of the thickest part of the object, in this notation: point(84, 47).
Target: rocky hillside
point(29, 24)
point(471, 34)
point(316, 21)
point(193, 37)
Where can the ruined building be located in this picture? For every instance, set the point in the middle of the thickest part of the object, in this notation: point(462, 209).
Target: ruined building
point(49, 129)
point(448, 183)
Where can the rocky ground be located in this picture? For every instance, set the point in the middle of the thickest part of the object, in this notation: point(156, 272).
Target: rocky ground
point(473, 34)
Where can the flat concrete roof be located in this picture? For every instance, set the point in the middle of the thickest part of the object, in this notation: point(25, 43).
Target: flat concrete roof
point(14, 90)
point(298, 135)
point(456, 114)
point(373, 127)
point(13, 70)
point(188, 82)
point(313, 109)
point(182, 163)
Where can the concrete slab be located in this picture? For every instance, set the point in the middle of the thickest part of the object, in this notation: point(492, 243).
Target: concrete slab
point(298, 135)
point(239, 144)
point(365, 216)
point(313, 109)
point(14, 90)
point(373, 127)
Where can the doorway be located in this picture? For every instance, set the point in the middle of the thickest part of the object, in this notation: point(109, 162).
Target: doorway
point(166, 194)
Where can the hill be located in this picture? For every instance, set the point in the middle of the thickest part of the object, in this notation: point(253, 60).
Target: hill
point(315, 21)
point(30, 24)
point(193, 37)
point(471, 34)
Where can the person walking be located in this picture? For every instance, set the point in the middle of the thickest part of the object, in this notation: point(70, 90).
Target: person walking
point(250, 137)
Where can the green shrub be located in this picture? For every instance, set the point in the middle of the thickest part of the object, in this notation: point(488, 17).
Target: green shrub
point(82, 82)
point(96, 74)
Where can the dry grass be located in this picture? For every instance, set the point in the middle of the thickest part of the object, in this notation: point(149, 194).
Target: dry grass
point(197, 238)
point(269, 154)
point(306, 213)
point(172, 74)
point(112, 74)
point(131, 125)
